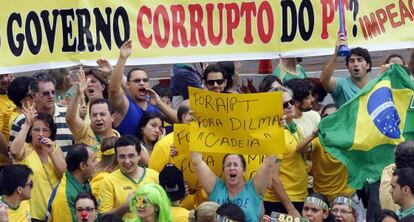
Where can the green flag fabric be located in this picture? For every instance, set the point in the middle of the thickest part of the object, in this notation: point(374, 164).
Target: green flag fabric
point(363, 133)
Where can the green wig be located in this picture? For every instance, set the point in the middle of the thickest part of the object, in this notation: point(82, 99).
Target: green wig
point(155, 195)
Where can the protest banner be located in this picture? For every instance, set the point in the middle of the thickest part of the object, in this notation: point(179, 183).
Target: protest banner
point(236, 123)
point(213, 160)
point(53, 33)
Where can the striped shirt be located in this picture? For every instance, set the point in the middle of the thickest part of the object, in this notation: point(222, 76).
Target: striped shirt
point(63, 134)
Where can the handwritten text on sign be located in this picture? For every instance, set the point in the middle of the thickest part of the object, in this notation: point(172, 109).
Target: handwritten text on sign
point(236, 123)
point(213, 160)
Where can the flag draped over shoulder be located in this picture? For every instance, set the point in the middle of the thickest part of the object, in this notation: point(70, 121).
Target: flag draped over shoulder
point(362, 134)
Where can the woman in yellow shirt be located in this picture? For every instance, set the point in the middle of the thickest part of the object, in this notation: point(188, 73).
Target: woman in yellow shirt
point(107, 165)
point(34, 146)
point(289, 180)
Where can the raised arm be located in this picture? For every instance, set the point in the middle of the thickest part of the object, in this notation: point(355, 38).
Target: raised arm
point(327, 80)
point(74, 121)
point(169, 113)
point(301, 146)
point(280, 192)
point(116, 94)
point(204, 174)
point(17, 148)
point(262, 179)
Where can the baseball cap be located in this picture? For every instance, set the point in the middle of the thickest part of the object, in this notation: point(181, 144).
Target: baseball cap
point(172, 180)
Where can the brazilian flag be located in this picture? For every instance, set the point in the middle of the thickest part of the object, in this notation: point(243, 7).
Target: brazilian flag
point(363, 133)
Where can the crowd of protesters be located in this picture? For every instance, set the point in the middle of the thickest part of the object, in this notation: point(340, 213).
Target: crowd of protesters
point(98, 148)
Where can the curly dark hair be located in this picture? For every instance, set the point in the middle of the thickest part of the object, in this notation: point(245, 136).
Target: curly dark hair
point(360, 52)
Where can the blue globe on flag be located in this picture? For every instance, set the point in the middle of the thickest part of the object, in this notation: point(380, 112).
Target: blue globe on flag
point(381, 109)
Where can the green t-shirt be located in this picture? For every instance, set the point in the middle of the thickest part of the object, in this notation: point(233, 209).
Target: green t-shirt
point(286, 76)
point(344, 91)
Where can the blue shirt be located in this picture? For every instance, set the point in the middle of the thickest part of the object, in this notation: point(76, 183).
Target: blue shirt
point(129, 125)
point(344, 91)
point(248, 199)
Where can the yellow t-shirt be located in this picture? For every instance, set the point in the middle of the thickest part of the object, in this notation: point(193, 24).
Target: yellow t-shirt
point(161, 153)
point(96, 182)
point(7, 107)
point(293, 174)
point(8, 119)
point(160, 156)
point(329, 175)
point(115, 188)
point(179, 214)
point(41, 176)
point(19, 214)
point(86, 135)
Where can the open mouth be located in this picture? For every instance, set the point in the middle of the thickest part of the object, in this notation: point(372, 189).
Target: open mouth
point(233, 175)
point(91, 91)
point(356, 70)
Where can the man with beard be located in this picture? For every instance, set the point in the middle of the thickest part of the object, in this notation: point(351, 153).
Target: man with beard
point(100, 113)
point(43, 92)
point(358, 63)
point(130, 107)
point(307, 119)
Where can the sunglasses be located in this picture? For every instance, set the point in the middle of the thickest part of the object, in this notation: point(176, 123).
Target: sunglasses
point(140, 80)
point(212, 81)
point(142, 202)
point(286, 104)
point(30, 184)
point(48, 93)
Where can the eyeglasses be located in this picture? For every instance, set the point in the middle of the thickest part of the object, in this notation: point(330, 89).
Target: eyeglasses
point(30, 184)
point(212, 81)
point(89, 209)
point(48, 93)
point(145, 80)
point(286, 104)
point(340, 211)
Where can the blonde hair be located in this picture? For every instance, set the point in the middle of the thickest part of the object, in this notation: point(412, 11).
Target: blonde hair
point(108, 163)
point(205, 212)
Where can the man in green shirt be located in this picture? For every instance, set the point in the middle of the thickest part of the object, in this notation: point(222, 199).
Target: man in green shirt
point(81, 165)
point(402, 191)
point(343, 89)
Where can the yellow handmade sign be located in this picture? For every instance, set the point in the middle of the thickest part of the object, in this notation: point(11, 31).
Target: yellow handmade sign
point(55, 33)
point(213, 160)
point(236, 123)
